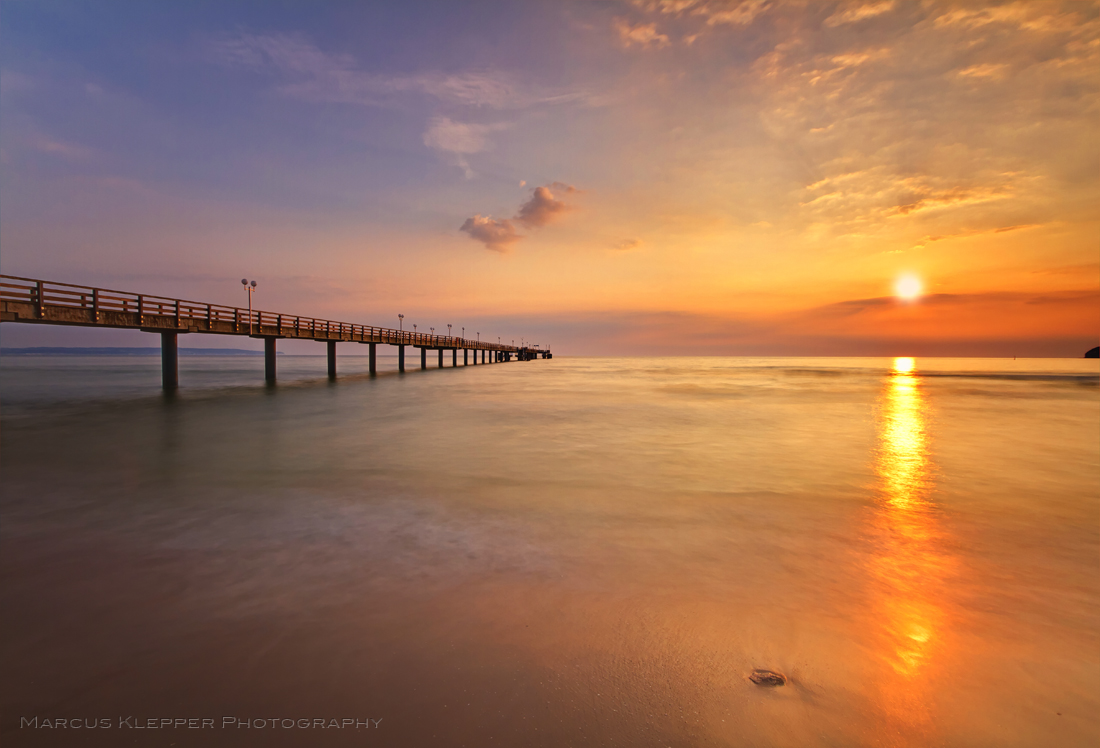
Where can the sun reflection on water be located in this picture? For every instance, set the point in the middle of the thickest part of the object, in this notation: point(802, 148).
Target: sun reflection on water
point(908, 567)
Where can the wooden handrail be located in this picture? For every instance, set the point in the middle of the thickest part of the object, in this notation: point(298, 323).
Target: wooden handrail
point(42, 294)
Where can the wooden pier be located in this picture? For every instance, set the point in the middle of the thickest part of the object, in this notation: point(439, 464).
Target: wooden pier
point(45, 302)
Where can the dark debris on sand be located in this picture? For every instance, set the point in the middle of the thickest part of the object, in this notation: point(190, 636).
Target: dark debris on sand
point(767, 678)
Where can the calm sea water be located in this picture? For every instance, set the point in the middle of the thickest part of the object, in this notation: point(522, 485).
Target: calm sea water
point(552, 553)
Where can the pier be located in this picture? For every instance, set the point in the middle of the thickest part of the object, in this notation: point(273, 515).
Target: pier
point(41, 302)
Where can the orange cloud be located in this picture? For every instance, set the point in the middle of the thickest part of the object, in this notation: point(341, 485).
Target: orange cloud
point(496, 235)
point(859, 12)
point(543, 207)
point(645, 35)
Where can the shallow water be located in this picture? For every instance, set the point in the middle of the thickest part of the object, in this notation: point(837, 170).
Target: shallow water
point(563, 552)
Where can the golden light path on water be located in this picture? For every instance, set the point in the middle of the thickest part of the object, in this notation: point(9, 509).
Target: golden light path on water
point(908, 566)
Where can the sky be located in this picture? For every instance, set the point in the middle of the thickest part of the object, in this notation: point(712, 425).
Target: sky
point(648, 177)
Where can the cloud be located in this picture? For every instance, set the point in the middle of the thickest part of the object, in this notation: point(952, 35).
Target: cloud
point(645, 35)
point(72, 151)
point(715, 12)
point(742, 14)
point(983, 71)
point(628, 244)
point(459, 138)
point(543, 207)
point(496, 235)
point(859, 12)
point(323, 77)
point(1016, 13)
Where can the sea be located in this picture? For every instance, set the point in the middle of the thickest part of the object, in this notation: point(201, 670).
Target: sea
point(564, 552)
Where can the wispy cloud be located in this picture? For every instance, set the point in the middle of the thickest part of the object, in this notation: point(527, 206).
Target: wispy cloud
point(64, 149)
point(987, 70)
point(325, 77)
point(644, 35)
point(460, 139)
point(858, 12)
point(713, 12)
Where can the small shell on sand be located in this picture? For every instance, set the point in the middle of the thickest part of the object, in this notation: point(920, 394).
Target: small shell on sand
point(767, 678)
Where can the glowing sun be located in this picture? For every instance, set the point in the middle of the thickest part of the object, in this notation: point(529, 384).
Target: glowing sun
point(908, 287)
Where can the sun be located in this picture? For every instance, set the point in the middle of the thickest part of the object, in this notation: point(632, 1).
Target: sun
point(904, 364)
point(908, 287)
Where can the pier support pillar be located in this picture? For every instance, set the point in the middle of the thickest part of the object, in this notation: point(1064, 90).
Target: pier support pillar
point(454, 357)
point(423, 358)
point(465, 356)
point(169, 361)
point(440, 359)
point(373, 358)
point(331, 358)
point(401, 358)
point(269, 360)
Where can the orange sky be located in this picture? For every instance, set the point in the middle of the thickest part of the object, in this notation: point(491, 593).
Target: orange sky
point(677, 176)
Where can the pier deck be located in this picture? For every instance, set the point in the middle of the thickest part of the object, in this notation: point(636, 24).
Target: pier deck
point(34, 301)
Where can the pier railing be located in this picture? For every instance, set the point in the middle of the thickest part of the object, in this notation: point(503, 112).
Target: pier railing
point(32, 300)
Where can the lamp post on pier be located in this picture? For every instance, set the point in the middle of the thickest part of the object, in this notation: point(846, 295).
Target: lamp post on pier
point(250, 288)
point(400, 322)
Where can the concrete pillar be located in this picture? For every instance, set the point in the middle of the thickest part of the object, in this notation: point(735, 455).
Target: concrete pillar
point(169, 361)
point(373, 358)
point(423, 358)
point(454, 357)
point(401, 358)
point(269, 360)
point(440, 359)
point(331, 359)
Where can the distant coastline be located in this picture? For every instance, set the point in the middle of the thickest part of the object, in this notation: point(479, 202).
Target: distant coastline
point(115, 351)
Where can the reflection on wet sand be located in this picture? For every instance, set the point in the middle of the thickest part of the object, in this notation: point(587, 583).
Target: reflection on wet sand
point(908, 568)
